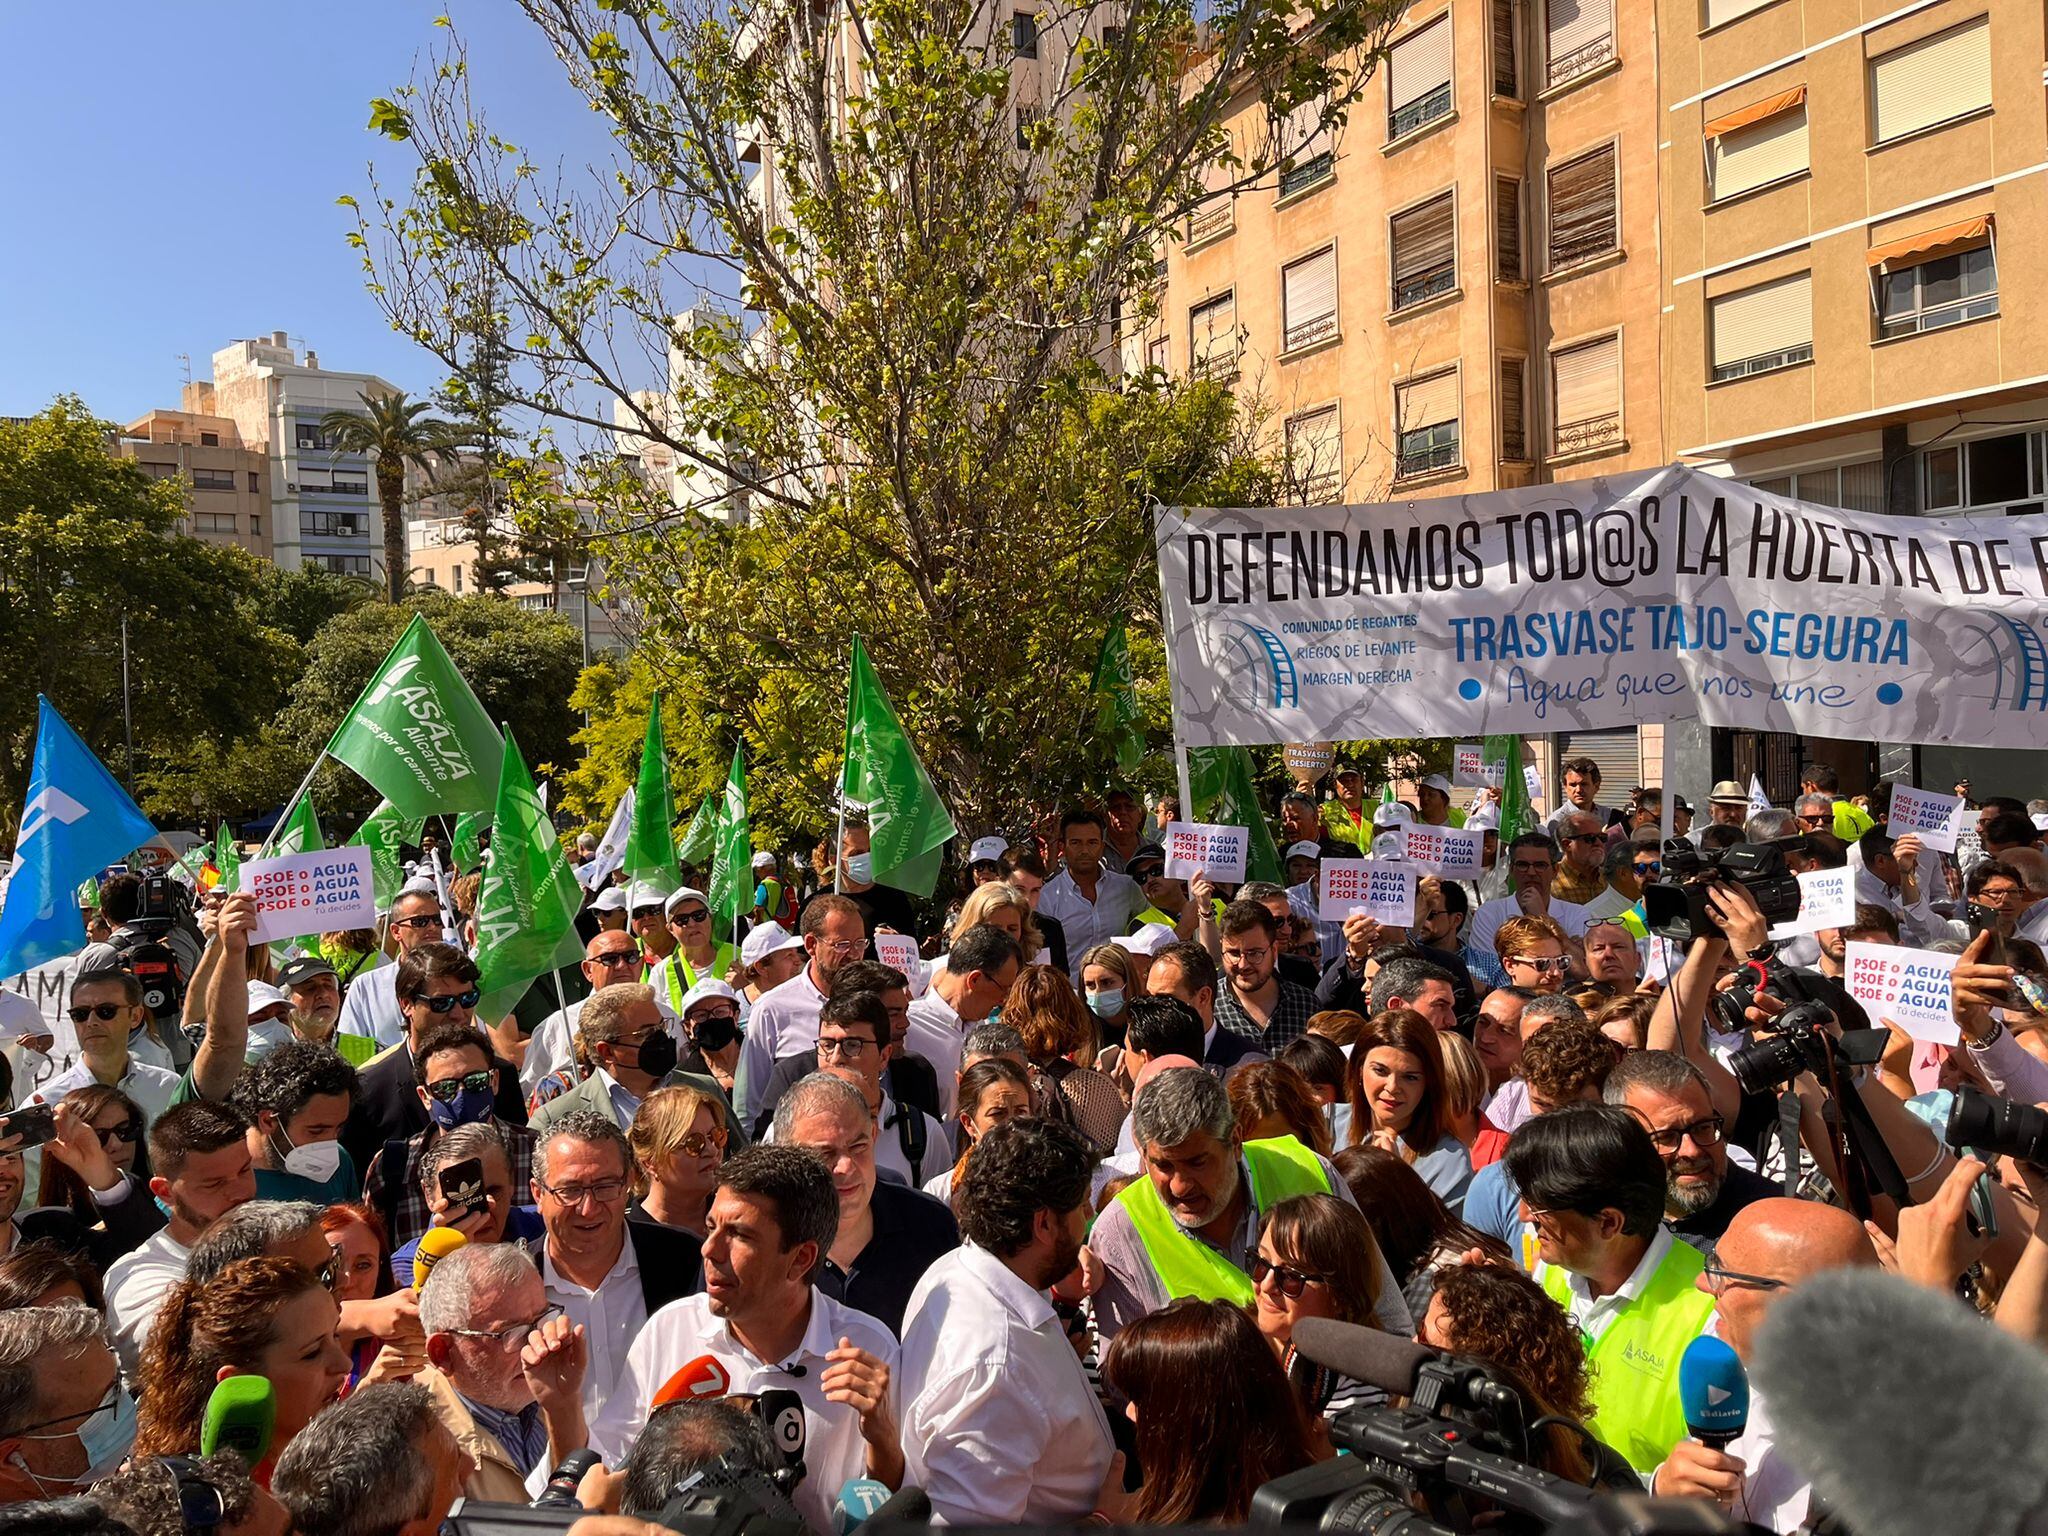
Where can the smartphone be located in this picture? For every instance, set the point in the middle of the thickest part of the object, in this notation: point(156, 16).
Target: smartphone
point(33, 1123)
point(462, 1186)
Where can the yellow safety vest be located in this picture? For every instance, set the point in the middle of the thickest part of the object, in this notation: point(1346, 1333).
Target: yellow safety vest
point(1281, 1167)
point(681, 976)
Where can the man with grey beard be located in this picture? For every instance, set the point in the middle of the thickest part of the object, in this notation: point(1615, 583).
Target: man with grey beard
point(1703, 1190)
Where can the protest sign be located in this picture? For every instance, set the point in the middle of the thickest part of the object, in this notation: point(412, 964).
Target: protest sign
point(1661, 958)
point(1910, 987)
point(1382, 890)
point(1195, 847)
point(1308, 761)
point(898, 950)
point(1468, 766)
point(1927, 814)
point(48, 988)
point(1533, 781)
point(1451, 852)
point(306, 893)
point(1827, 899)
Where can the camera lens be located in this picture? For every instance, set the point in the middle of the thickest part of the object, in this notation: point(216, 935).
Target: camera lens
point(1376, 1510)
point(1979, 1122)
point(1763, 1066)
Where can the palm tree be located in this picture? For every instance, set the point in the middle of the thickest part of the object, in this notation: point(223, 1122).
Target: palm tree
point(392, 431)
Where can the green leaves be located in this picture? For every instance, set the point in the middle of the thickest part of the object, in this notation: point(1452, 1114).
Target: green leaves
point(390, 119)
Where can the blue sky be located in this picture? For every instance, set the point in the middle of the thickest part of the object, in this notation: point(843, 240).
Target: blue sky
point(173, 168)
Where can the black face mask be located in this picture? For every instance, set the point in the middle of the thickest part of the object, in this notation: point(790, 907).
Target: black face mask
point(658, 1055)
point(715, 1032)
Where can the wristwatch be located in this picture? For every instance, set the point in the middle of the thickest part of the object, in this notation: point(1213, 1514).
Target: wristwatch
point(1762, 952)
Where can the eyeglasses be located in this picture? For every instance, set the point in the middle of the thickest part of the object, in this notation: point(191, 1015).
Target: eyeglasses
point(470, 1082)
point(201, 1505)
point(843, 947)
point(467, 999)
point(327, 1274)
point(616, 958)
point(603, 1191)
point(424, 920)
point(1541, 963)
point(844, 1047)
point(1705, 1133)
point(698, 1021)
point(104, 1012)
point(103, 1405)
point(1291, 1281)
point(697, 1143)
point(645, 912)
point(1820, 819)
point(1999, 893)
point(129, 1130)
point(1719, 1279)
point(1248, 956)
point(1530, 866)
point(698, 916)
point(513, 1336)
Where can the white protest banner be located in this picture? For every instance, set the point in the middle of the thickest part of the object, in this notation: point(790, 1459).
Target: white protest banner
point(305, 893)
point(1533, 782)
point(1661, 958)
point(1194, 847)
point(48, 988)
point(1927, 814)
point(1758, 800)
point(1907, 986)
point(1612, 601)
point(1451, 852)
point(898, 950)
point(1468, 765)
point(1384, 891)
point(1827, 899)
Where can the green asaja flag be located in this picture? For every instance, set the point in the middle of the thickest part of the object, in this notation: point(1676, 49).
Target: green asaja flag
point(700, 840)
point(1225, 791)
point(1114, 690)
point(908, 825)
point(1515, 815)
point(227, 858)
point(650, 846)
point(466, 845)
point(732, 868)
point(297, 831)
point(384, 832)
point(417, 732)
point(526, 906)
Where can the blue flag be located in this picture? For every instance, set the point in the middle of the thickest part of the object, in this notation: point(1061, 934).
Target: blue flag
point(77, 820)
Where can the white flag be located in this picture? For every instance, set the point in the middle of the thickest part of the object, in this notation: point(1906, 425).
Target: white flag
point(1758, 800)
point(611, 849)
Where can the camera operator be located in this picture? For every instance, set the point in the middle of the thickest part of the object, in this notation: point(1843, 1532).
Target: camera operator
point(154, 933)
point(1770, 1247)
point(688, 1437)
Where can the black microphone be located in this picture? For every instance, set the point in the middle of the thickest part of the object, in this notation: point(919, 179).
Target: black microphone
point(910, 1504)
point(1909, 1413)
point(783, 1412)
point(1383, 1360)
point(560, 1493)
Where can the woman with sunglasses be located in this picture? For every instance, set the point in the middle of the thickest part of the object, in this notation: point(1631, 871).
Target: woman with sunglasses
point(117, 1121)
point(678, 1142)
point(258, 1317)
point(1317, 1258)
point(1398, 1100)
point(1535, 952)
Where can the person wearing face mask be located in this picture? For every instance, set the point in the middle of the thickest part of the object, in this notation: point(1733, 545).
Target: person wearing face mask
point(712, 1030)
point(609, 956)
point(297, 1099)
point(632, 1053)
point(65, 1418)
point(456, 1084)
point(1107, 987)
point(880, 906)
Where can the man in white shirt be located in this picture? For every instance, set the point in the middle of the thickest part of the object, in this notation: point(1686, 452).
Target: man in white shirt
point(850, 1047)
point(1771, 1246)
point(1532, 864)
point(106, 1009)
point(1581, 777)
point(613, 955)
point(766, 1325)
point(785, 1020)
point(1092, 904)
point(1001, 1425)
point(371, 1006)
point(200, 1167)
point(980, 968)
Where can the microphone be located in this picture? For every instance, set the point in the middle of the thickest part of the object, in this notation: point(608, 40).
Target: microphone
point(906, 1505)
point(702, 1378)
point(560, 1492)
point(1383, 1360)
point(857, 1501)
point(783, 1412)
point(240, 1417)
point(1713, 1389)
point(1856, 1364)
point(434, 1246)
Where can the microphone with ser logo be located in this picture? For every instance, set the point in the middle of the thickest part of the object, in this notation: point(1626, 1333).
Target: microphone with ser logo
point(434, 1246)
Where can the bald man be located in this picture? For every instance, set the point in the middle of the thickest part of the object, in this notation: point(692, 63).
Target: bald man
point(1770, 1247)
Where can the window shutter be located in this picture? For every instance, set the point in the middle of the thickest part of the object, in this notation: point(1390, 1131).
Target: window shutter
point(1214, 343)
point(1720, 11)
point(1514, 439)
point(1315, 454)
point(1420, 64)
point(1216, 212)
point(1507, 228)
point(1863, 486)
point(1425, 252)
point(1308, 291)
point(1507, 80)
point(1586, 381)
point(1763, 321)
point(1426, 402)
point(1760, 153)
point(1931, 81)
point(1579, 35)
point(1582, 221)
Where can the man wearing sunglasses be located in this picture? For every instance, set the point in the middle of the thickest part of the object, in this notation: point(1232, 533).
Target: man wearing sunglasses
point(647, 920)
point(1770, 1249)
point(1532, 865)
point(633, 1050)
point(1581, 875)
point(371, 1007)
point(106, 1009)
point(1704, 1190)
point(610, 956)
point(699, 954)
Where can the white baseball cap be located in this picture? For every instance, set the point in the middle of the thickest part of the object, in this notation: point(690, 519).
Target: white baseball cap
point(1439, 783)
point(1148, 940)
point(1392, 813)
point(681, 894)
point(1484, 818)
point(611, 899)
point(263, 995)
point(21, 1019)
point(763, 860)
point(765, 940)
point(1304, 850)
point(2041, 821)
point(987, 850)
point(644, 893)
point(710, 986)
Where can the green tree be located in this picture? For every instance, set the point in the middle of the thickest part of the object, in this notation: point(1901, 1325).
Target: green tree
point(394, 432)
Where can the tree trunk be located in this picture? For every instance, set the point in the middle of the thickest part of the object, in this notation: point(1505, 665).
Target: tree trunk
point(391, 496)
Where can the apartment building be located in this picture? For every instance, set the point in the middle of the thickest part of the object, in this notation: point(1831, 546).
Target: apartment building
point(443, 555)
point(226, 480)
point(1847, 186)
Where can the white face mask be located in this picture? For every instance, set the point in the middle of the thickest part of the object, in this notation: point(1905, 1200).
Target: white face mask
point(106, 1437)
point(317, 1161)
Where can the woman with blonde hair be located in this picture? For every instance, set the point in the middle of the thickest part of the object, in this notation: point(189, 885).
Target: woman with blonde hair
point(1059, 1038)
point(1464, 1089)
point(678, 1143)
point(1007, 908)
point(1108, 983)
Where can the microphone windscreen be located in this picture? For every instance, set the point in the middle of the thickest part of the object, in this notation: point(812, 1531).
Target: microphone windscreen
point(1909, 1413)
point(1383, 1360)
point(1713, 1390)
point(434, 1246)
point(912, 1504)
point(702, 1378)
point(858, 1499)
point(240, 1416)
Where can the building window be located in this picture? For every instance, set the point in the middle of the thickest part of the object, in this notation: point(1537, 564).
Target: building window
point(537, 602)
point(1159, 354)
point(342, 565)
point(213, 522)
point(1578, 38)
point(1583, 215)
point(1024, 34)
point(1425, 254)
point(346, 484)
point(1212, 350)
point(213, 479)
point(1757, 145)
point(1217, 212)
point(1426, 425)
point(1507, 230)
point(334, 525)
point(1308, 299)
point(1585, 384)
point(1306, 157)
point(1762, 328)
point(1986, 474)
point(1315, 456)
point(1719, 12)
point(254, 485)
point(1419, 78)
point(1507, 73)
point(209, 439)
point(1853, 487)
point(159, 471)
point(1935, 80)
point(306, 435)
point(1937, 290)
point(255, 524)
point(457, 577)
point(1514, 415)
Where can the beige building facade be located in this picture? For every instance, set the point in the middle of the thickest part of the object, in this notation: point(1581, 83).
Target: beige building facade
point(226, 480)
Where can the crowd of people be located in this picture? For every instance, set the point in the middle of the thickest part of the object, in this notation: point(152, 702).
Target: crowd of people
point(1030, 1222)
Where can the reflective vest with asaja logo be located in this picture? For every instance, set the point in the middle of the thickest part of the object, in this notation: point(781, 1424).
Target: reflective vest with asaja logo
point(1635, 1362)
point(1280, 1168)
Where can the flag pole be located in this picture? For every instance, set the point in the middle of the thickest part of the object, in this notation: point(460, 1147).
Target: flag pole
point(839, 838)
point(1184, 780)
point(298, 794)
